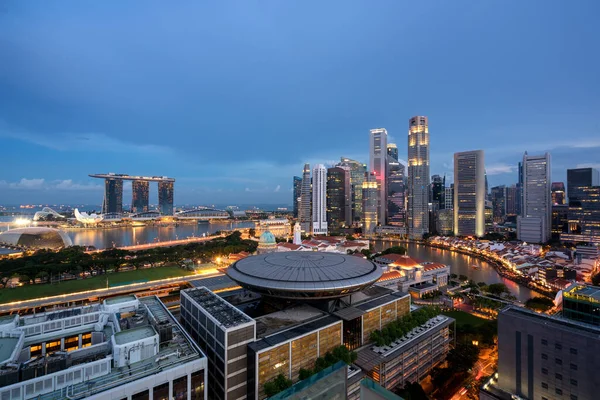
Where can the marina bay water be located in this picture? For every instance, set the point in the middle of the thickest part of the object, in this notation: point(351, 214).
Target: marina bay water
point(461, 264)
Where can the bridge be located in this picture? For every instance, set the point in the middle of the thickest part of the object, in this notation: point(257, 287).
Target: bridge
point(204, 214)
point(168, 243)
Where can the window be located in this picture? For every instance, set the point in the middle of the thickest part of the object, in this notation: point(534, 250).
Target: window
point(545, 371)
point(161, 392)
point(574, 382)
point(544, 342)
point(558, 376)
point(558, 346)
point(544, 385)
point(544, 356)
point(573, 351)
point(544, 398)
point(574, 367)
point(558, 391)
point(573, 397)
point(558, 361)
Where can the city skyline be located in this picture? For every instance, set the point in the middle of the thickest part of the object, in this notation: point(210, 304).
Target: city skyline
point(165, 109)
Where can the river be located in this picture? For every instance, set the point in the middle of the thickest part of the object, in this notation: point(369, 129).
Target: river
point(461, 264)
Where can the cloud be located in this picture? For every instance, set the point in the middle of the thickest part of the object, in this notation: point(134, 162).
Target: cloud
point(497, 169)
point(278, 188)
point(29, 184)
point(248, 190)
point(42, 184)
point(68, 184)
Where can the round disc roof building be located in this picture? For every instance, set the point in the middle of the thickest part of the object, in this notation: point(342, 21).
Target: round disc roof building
point(304, 275)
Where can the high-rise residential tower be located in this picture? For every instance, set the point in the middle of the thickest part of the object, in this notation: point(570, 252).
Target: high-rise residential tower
point(369, 196)
point(358, 174)
point(319, 200)
point(339, 211)
point(165, 197)
point(469, 193)
point(113, 196)
point(535, 224)
point(305, 214)
point(140, 192)
point(297, 192)
point(377, 166)
point(418, 177)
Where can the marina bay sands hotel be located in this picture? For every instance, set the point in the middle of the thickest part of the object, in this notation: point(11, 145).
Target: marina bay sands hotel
point(140, 188)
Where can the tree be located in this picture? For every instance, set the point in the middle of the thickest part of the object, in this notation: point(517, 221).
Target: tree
point(596, 279)
point(394, 250)
point(252, 232)
point(497, 289)
point(541, 304)
point(276, 385)
point(463, 357)
point(350, 237)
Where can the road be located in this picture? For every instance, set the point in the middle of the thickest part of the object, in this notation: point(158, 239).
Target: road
point(111, 291)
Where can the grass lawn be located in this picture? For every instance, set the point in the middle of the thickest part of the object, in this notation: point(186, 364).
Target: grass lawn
point(464, 318)
point(95, 282)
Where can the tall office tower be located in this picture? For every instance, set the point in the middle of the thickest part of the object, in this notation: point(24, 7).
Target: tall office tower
point(520, 189)
point(535, 224)
point(304, 213)
point(396, 209)
point(418, 177)
point(165, 197)
point(487, 188)
point(579, 178)
point(511, 200)
point(558, 193)
point(469, 193)
point(339, 212)
point(498, 195)
point(584, 216)
point(370, 197)
point(449, 197)
point(377, 165)
point(319, 200)
point(392, 151)
point(358, 174)
point(297, 192)
point(113, 196)
point(437, 190)
point(560, 220)
point(140, 191)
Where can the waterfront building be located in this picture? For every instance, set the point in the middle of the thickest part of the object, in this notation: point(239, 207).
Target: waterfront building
point(47, 214)
point(36, 237)
point(165, 197)
point(370, 201)
point(511, 200)
point(279, 227)
point(544, 357)
point(498, 195)
point(113, 196)
point(339, 209)
point(377, 166)
point(449, 197)
point(297, 194)
point(124, 348)
point(469, 193)
point(580, 303)
point(578, 178)
point(535, 223)
point(410, 358)
point(558, 193)
point(305, 211)
point(396, 209)
point(418, 177)
point(560, 220)
point(319, 200)
point(406, 274)
point(358, 174)
point(140, 191)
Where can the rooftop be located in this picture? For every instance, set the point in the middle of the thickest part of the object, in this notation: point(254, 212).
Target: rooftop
point(271, 323)
point(7, 346)
point(557, 320)
point(226, 314)
point(584, 292)
point(120, 299)
point(134, 335)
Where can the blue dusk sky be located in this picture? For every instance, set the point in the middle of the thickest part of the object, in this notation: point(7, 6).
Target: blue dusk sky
point(232, 98)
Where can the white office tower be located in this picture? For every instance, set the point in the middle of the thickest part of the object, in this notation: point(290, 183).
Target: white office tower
point(297, 234)
point(319, 200)
point(469, 193)
point(377, 166)
point(418, 177)
point(304, 213)
point(535, 224)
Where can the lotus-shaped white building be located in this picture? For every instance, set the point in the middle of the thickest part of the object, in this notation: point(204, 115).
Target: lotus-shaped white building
point(86, 218)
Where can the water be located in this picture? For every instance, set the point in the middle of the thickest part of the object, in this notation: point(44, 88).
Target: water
point(461, 264)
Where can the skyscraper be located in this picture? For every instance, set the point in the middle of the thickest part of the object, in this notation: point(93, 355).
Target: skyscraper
point(358, 174)
point(165, 197)
point(558, 193)
point(297, 194)
point(511, 200)
point(579, 178)
point(437, 190)
point(392, 151)
point(377, 166)
point(418, 176)
point(469, 193)
point(396, 209)
point(519, 197)
point(113, 196)
point(498, 195)
point(339, 212)
point(370, 195)
point(534, 225)
point(319, 200)
point(305, 214)
point(449, 197)
point(139, 200)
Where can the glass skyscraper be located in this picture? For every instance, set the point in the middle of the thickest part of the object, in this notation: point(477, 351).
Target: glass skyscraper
point(165, 197)
point(469, 193)
point(358, 173)
point(418, 177)
point(377, 166)
point(113, 196)
point(339, 212)
point(535, 224)
point(297, 189)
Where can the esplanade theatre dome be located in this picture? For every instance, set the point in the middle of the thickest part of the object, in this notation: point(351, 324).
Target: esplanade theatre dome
point(304, 275)
point(36, 238)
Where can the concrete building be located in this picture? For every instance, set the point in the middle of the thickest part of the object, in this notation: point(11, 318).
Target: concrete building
point(113, 196)
point(279, 227)
point(319, 200)
point(418, 177)
point(378, 166)
point(305, 211)
point(370, 197)
point(408, 275)
point(469, 193)
point(124, 348)
point(140, 191)
point(297, 195)
point(534, 225)
point(358, 174)
point(339, 208)
point(166, 192)
point(449, 197)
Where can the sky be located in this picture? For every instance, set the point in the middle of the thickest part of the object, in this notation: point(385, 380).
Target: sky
point(231, 98)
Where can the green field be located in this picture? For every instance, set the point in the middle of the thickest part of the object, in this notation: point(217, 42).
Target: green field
point(464, 318)
point(96, 282)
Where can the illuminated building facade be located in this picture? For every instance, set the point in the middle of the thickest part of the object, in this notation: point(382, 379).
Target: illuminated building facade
point(469, 193)
point(578, 178)
point(165, 197)
point(584, 216)
point(377, 166)
point(498, 195)
point(418, 177)
point(396, 209)
point(560, 220)
point(305, 214)
point(297, 195)
point(558, 193)
point(370, 194)
point(339, 211)
point(113, 196)
point(535, 224)
point(358, 174)
point(140, 191)
point(319, 200)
